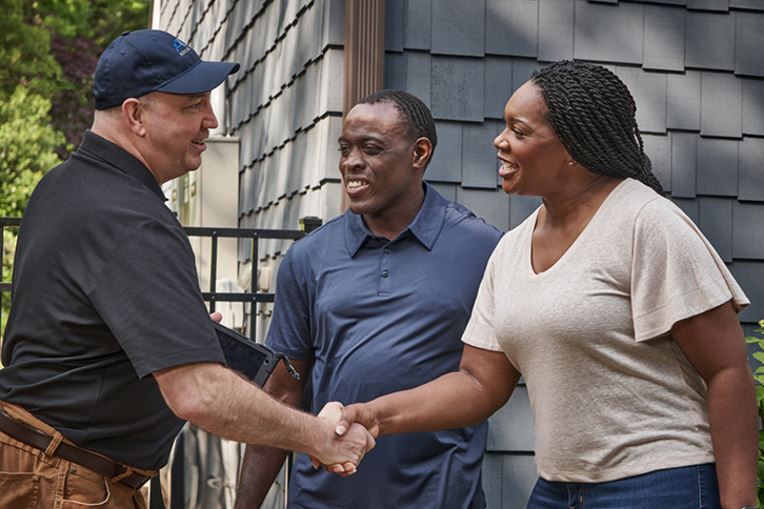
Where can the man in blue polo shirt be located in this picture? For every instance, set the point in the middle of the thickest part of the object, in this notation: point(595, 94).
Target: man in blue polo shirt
point(376, 301)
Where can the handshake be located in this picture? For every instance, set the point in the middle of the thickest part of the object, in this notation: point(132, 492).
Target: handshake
point(354, 429)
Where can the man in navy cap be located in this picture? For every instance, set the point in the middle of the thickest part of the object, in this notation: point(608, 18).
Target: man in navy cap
point(108, 346)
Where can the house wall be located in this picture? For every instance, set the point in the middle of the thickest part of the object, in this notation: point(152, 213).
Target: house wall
point(695, 68)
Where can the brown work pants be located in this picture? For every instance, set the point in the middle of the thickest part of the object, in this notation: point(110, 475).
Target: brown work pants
point(30, 479)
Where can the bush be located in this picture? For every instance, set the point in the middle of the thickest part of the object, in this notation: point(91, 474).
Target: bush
point(758, 376)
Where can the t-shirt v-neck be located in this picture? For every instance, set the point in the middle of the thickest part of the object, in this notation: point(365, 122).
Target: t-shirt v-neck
point(590, 226)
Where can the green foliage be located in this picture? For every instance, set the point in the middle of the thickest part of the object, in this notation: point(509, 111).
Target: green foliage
point(758, 376)
point(27, 147)
point(97, 20)
point(25, 56)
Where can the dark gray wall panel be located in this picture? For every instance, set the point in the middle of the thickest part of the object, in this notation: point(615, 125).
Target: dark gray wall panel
point(418, 74)
point(748, 236)
point(649, 90)
point(689, 207)
point(753, 106)
point(307, 87)
point(716, 224)
point(658, 148)
point(749, 275)
point(683, 101)
point(457, 88)
point(511, 27)
point(479, 163)
point(330, 129)
point(330, 94)
point(664, 38)
point(609, 33)
point(491, 205)
point(498, 85)
point(556, 27)
point(394, 15)
point(458, 28)
point(749, 44)
point(521, 71)
point(334, 23)
point(666, 2)
point(751, 171)
point(520, 207)
point(756, 5)
point(446, 164)
point(709, 5)
point(395, 71)
point(247, 194)
point(511, 427)
point(721, 111)
point(519, 478)
point(418, 24)
point(710, 41)
point(684, 149)
point(493, 478)
point(717, 167)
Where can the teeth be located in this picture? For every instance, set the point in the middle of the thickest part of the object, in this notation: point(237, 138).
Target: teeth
point(354, 183)
point(509, 166)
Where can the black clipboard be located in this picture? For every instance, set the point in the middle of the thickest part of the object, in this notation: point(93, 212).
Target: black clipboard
point(253, 360)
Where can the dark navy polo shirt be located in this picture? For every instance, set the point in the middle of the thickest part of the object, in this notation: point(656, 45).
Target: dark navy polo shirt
point(105, 293)
point(379, 316)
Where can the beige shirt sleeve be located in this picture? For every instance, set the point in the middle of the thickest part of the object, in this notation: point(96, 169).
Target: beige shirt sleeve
point(480, 331)
point(676, 273)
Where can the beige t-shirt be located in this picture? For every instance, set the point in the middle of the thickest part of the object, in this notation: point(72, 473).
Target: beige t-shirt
point(612, 394)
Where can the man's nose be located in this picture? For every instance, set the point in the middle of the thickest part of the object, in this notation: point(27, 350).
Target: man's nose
point(352, 160)
point(210, 121)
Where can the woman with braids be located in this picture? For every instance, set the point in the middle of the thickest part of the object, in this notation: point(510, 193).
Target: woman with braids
point(614, 308)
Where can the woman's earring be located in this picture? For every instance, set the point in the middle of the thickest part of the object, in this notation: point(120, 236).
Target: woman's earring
point(571, 163)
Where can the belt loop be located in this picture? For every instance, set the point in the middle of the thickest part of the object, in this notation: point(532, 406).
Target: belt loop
point(127, 473)
point(54, 443)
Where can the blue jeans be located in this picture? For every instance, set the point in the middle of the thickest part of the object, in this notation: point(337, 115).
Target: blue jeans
point(693, 487)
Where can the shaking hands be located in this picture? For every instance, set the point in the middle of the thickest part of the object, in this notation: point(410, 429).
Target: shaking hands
point(354, 430)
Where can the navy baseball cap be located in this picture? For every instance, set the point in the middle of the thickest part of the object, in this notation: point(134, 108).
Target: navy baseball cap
point(144, 61)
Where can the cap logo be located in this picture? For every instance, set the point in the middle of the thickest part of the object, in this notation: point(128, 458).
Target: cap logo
point(180, 46)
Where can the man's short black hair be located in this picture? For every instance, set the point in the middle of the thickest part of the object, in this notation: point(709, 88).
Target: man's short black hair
point(414, 113)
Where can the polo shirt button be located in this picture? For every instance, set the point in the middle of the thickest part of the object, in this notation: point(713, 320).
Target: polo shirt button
point(385, 273)
point(387, 250)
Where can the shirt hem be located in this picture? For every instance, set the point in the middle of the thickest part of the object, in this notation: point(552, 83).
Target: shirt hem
point(614, 474)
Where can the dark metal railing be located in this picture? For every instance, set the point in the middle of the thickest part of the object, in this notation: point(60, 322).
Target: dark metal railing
point(5, 286)
point(212, 296)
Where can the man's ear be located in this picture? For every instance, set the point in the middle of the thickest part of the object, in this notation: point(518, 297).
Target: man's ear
point(422, 153)
point(132, 113)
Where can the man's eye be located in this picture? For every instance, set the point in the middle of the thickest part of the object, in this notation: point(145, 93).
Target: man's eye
point(372, 149)
point(344, 150)
point(518, 134)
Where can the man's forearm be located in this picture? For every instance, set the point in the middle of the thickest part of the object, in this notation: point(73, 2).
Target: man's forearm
point(219, 401)
point(259, 469)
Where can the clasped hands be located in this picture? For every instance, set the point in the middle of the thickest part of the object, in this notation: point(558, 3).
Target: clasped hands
point(355, 431)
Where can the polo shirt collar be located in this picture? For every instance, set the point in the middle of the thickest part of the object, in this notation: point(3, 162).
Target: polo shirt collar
point(111, 153)
point(425, 227)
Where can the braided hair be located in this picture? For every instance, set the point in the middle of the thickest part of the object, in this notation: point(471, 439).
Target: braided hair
point(593, 114)
point(415, 115)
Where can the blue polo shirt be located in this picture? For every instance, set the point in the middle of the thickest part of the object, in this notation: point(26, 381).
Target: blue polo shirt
point(379, 316)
